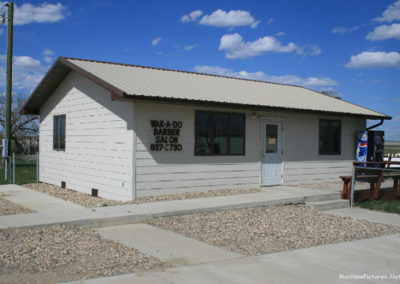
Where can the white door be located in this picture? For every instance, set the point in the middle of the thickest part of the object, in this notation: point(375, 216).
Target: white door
point(271, 152)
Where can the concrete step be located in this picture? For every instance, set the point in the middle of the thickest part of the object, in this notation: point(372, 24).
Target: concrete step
point(323, 197)
point(329, 204)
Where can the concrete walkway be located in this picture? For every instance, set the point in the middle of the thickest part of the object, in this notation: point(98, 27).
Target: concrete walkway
point(377, 257)
point(52, 210)
point(369, 215)
point(176, 249)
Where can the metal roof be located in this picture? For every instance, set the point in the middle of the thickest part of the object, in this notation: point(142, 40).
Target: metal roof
point(138, 82)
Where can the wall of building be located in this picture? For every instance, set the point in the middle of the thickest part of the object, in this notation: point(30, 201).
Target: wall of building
point(99, 140)
point(160, 172)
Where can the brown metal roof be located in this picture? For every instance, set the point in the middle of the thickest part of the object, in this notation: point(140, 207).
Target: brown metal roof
point(145, 83)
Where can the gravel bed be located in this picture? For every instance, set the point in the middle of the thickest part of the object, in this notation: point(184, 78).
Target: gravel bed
point(10, 208)
point(65, 253)
point(338, 185)
point(91, 202)
point(256, 231)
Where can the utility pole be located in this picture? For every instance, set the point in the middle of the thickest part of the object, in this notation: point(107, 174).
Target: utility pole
point(9, 73)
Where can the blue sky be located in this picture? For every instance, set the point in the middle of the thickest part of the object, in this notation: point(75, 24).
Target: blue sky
point(347, 47)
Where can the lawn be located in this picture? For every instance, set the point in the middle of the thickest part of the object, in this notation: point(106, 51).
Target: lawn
point(391, 148)
point(25, 172)
point(392, 206)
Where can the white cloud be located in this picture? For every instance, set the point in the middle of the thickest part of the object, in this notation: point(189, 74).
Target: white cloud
point(270, 21)
point(236, 47)
point(47, 55)
point(309, 50)
point(392, 13)
point(190, 47)
point(280, 34)
point(156, 41)
point(48, 59)
point(385, 32)
point(309, 82)
point(27, 72)
point(44, 13)
point(191, 17)
point(343, 30)
point(378, 59)
point(47, 51)
point(233, 18)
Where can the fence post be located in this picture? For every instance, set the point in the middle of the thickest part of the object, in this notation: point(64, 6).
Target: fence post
point(353, 175)
point(13, 163)
point(6, 168)
point(37, 167)
point(9, 169)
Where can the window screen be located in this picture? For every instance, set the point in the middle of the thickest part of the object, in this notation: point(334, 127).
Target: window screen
point(218, 133)
point(59, 132)
point(329, 137)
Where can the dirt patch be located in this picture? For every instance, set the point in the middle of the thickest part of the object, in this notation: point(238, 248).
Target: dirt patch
point(65, 253)
point(256, 231)
point(89, 201)
point(10, 208)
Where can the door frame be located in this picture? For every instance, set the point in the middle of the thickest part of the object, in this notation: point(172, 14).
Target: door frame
point(261, 145)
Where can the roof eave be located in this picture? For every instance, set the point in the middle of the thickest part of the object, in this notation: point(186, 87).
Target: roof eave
point(51, 81)
point(143, 98)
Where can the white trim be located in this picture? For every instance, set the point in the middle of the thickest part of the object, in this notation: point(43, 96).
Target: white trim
point(134, 140)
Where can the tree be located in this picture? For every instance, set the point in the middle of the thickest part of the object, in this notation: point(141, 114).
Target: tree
point(23, 127)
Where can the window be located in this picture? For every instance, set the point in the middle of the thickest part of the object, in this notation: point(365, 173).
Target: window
point(219, 133)
point(59, 132)
point(329, 137)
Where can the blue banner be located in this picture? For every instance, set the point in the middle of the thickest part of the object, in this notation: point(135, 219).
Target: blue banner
point(362, 146)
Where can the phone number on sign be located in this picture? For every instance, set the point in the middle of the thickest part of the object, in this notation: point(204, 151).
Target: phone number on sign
point(166, 147)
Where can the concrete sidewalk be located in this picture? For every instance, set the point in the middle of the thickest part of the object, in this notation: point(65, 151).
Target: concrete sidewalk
point(377, 257)
point(52, 210)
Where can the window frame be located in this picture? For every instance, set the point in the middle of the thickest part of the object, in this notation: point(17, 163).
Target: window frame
point(329, 153)
point(58, 134)
point(243, 152)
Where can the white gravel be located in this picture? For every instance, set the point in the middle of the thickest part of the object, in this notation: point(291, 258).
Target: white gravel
point(256, 231)
point(65, 253)
point(10, 208)
point(91, 202)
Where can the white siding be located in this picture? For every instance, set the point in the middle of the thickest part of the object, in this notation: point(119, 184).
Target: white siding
point(99, 140)
point(171, 172)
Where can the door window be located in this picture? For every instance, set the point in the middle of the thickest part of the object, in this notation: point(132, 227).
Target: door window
point(271, 138)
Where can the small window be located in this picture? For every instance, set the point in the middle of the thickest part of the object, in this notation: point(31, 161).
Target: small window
point(219, 133)
point(59, 132)
point(329, 137)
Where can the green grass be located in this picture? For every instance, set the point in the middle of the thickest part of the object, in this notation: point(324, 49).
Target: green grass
point(392, 206)
point(25, 172)
point(391, 148)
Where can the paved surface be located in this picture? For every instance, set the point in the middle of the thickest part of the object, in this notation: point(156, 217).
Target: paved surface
point(369, 215)
point(52, 210)
point(165, 245)
point(377, 257)
point(325, 264)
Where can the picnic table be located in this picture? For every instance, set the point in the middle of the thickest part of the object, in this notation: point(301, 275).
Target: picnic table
point(374, 174)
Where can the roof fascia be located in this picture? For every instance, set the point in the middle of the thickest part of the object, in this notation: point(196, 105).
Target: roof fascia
point(140, 98)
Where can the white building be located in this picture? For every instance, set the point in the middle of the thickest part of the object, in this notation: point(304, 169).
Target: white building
point(129, 131)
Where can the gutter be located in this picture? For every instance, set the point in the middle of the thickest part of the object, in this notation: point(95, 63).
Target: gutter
point(376, 125)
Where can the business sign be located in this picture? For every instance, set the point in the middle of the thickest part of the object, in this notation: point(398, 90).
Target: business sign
point(167, 134)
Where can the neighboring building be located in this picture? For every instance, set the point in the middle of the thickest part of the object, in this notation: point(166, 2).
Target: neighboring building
point(130, 131)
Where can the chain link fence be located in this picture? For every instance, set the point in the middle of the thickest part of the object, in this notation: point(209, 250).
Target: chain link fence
point(19, 169)
point(375, 181)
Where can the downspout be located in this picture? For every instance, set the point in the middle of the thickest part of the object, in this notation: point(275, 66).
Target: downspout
point(376, 125)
